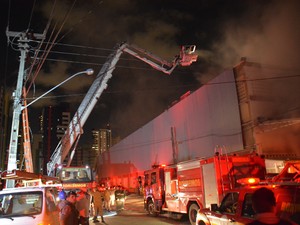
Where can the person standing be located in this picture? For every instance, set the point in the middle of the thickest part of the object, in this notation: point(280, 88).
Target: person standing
point(97, 204)
point(120, 198)
point(83, 206)
point(107, 199)
point(68, 214)
point(264, 203)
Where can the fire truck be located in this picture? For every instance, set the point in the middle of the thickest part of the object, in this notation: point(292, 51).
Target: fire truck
point(188, 186)
point(236, 206)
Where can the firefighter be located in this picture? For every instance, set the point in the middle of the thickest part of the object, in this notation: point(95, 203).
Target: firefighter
point(83, 206)
point(120, 198)
point(97, 204)
point(264, 204)
point(68, 214)
point(107, 202)
point(140, 185)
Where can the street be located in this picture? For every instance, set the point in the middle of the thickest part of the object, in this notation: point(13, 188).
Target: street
point(134, 214)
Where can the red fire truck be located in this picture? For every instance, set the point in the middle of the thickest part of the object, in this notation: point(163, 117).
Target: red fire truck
point(187, 186)
point(236, 206)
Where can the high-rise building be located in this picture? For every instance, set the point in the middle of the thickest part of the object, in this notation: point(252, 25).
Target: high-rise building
point(4, 126)
point(2, 131)
point(102, 140)
point(84, 156)
point(64, 123)
point(54, 122)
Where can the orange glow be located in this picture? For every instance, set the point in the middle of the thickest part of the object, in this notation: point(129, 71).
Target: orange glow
point(249, 181)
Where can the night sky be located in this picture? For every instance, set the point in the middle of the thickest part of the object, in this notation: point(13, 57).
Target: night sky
point(84, 33)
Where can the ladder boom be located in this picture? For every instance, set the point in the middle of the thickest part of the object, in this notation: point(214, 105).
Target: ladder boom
point(74, 130)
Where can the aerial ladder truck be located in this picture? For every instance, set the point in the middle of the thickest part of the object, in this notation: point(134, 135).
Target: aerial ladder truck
point(65, 149)
point(64, 152)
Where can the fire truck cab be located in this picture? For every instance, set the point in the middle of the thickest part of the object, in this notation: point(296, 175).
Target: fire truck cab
point(75, 177)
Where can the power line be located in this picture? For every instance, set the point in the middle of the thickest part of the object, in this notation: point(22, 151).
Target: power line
point(81, 46)
point(31, 14)
point(88, 55)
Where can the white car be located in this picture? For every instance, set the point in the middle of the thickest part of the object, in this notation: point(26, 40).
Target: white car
point(29, 206)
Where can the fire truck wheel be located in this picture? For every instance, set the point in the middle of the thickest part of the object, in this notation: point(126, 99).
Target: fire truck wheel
point(151, 209)
point(193, 209)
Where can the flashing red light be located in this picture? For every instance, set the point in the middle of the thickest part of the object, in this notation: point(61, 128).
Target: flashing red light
point(249, 181)
point(158, 166)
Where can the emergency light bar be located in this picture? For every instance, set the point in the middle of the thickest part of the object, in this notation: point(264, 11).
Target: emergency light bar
point(248, 181)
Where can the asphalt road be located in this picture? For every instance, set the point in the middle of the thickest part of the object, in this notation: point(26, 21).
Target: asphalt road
point(134, 214)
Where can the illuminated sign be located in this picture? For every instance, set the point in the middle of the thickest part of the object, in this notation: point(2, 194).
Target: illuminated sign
point(76, 185)
point(190, 183)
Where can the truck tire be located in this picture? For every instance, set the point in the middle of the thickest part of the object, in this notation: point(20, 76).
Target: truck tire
point(201, 223)
point(151, 209)
point(193, 209)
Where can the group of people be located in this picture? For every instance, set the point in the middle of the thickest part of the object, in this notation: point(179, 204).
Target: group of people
point(76, 208)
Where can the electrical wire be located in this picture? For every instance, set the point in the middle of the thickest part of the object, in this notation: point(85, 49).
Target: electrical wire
point(154, 142)
point(8, 14)
point(88, 55)
point(80, 21)
point(55, 41)
point(52, 42)
point(37, 52)
point(31, 14)
point(6, 53)
point(144, 68)
point(81, 46)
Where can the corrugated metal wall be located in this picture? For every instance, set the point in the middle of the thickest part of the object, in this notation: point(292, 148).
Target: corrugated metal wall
point(203, 120)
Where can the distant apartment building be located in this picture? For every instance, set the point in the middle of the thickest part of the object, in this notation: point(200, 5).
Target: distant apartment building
point(54, 122)
point(102, 140)
point(4, 131)
point(64, 123)
point(84, 156)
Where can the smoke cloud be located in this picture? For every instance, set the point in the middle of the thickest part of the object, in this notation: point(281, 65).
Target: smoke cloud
point(265, 32)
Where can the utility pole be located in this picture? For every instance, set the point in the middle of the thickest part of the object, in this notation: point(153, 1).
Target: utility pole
point(174, 145)
point(17, 103)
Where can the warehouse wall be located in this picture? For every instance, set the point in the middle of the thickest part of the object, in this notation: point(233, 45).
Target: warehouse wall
point(206, 118)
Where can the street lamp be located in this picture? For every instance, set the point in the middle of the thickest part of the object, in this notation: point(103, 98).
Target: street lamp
point(88, 72)
point(12, 152)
